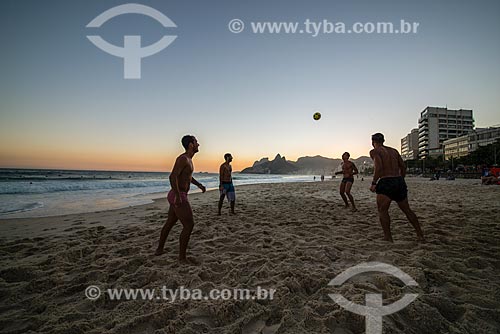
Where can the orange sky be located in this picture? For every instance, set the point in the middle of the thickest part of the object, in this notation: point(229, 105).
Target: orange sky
point(103, 161)
point(115, 160)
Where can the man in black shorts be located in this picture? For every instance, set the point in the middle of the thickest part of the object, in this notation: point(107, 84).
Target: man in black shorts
point(389, 184)
point(348, 170)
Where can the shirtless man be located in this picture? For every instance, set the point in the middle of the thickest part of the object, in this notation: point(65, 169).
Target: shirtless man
point(226, 183)
point(348, 170)
point(389, 184)
point(180, 209)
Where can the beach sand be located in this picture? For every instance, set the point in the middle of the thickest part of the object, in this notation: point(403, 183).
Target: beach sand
point(292, 237)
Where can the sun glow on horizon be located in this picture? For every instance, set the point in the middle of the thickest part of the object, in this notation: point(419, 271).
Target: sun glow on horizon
point(77, 160)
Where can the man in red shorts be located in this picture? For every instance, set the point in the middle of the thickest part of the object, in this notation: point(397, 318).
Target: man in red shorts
point(180, 179)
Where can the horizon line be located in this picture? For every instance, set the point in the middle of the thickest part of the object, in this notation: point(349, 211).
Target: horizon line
point(157, 171)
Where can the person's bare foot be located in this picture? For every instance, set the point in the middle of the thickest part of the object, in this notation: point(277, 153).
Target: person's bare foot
point(218, 213)
point(389, 240)
point(159, 252)
point(354, 209)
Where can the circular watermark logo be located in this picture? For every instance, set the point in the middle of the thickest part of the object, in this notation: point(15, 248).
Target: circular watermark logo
point(374, 309)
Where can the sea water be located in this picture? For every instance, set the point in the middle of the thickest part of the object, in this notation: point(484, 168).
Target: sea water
point(39, 193)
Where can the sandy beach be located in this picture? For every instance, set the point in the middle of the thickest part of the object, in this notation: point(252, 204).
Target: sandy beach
point(293, 237)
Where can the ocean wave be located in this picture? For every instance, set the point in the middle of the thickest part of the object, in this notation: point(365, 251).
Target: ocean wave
point(20, 208)
point(32, 187)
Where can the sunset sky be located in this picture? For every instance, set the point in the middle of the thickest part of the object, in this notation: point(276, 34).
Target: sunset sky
point(65, 104)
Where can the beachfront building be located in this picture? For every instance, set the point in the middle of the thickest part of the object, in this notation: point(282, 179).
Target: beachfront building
point(456, 147)
point(461, 146)
point(439, 124)
point(483, 137)
point(409, 145)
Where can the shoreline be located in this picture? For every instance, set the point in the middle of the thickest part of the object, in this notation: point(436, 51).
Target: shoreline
point(5, 218)
point(60, 199)
point(156, 204)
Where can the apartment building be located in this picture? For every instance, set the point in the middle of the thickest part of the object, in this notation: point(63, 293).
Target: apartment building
point(461, 146)
point(409, 145)
point(437, 125)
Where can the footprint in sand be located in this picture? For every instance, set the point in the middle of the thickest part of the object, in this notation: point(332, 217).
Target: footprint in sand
point(258, 326)
point(200, 317)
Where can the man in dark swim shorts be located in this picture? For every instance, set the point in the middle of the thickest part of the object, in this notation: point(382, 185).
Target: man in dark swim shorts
point(389, 184)
point(348, 170)
point(226, 186)
point(392, 187)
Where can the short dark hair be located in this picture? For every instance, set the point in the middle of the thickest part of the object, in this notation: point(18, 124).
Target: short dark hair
point(227, 155)
point(186, 140)
point(378, 138)
point(348, 155)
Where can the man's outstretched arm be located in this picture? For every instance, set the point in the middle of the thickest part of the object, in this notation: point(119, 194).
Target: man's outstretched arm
point(198, 184)
point(401, 165)
point(354, 169)
point(221, 175)
point(377, 166)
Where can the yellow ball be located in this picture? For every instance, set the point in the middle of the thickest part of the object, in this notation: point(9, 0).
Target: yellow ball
point(316, 116)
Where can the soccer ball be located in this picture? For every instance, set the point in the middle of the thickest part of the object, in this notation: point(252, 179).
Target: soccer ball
point(316, 116)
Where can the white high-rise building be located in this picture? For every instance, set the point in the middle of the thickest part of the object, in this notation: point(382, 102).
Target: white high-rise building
point(439, 124)
point(409, 145)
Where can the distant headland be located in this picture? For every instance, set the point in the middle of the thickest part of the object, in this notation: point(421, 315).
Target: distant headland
point(303, 165)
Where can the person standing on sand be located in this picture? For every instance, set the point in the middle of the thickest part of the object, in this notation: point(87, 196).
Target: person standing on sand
point(226, 186)
point(348, 170)
point(389, 184)
point(180, 179)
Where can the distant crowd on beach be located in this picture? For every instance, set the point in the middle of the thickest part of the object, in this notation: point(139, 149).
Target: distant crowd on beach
point(490, 176)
